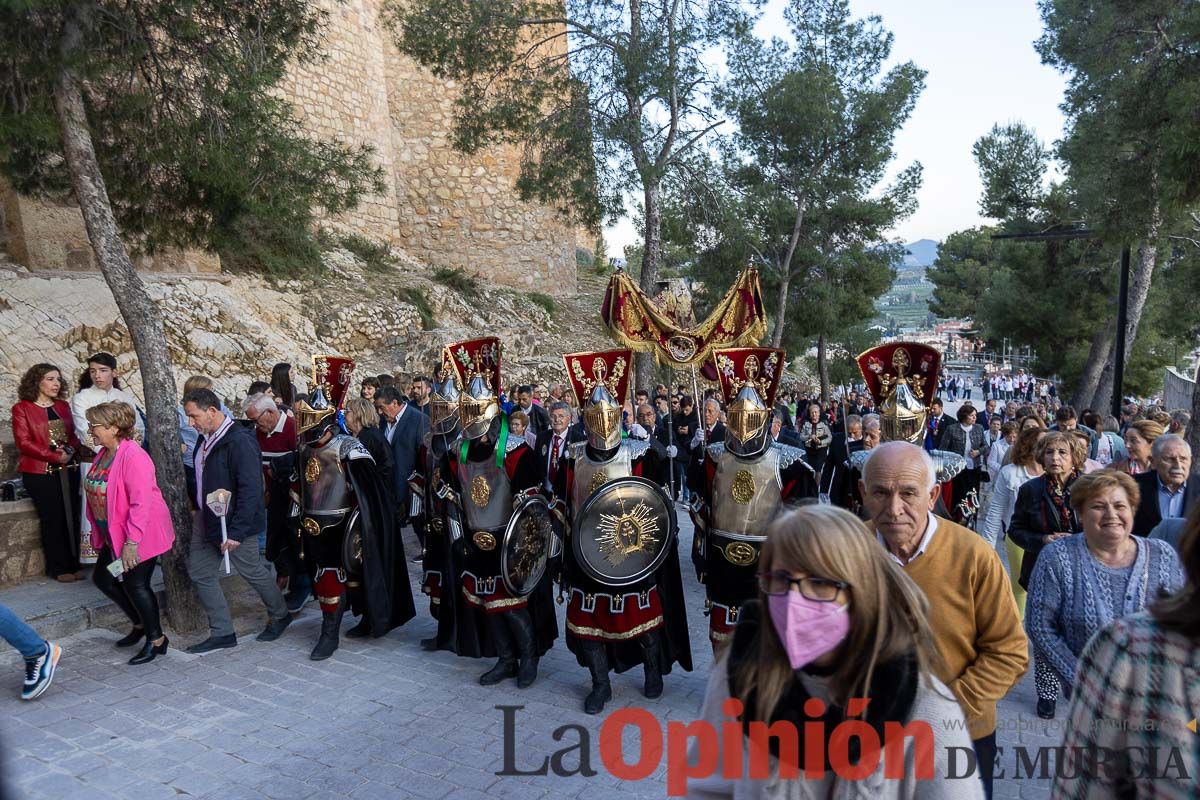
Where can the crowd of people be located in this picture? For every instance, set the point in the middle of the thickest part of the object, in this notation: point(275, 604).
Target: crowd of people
point(867, 530)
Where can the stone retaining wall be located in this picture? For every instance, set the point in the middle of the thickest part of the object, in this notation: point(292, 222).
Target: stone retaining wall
point(20, 543)
point(444, 208)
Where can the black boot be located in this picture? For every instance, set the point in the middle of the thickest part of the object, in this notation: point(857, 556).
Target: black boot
point(360, 631)
point(651, 658)
point(331, 623)
point(521, 625)
point(506, 666)
point(596, 659)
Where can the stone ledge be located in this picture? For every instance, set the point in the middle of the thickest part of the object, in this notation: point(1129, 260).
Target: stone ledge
point(20, 542)
point(56, 610)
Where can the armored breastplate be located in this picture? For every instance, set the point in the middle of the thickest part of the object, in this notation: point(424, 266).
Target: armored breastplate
point(324, 491)
point(747, 494)
point(486, 495)
point(591, 475)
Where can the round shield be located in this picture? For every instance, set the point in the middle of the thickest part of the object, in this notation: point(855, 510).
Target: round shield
point(526, 545)
point(352, 546)
point(624, 531)
point(948, 464)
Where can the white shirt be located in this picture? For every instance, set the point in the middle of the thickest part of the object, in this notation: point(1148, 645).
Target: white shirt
point(92, 396)
point(562, 446)
point(930, 527)
point(967, 445)
point(202, 451)
point(391, 426)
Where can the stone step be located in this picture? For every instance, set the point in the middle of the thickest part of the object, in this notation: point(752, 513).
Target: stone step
point(57, 610)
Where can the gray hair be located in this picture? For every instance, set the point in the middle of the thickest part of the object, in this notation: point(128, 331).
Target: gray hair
point(1181, 418)
point(931, 470)
point(260, 402)
point(853, 419)
point(1166, 440)
point(715, 402)
point(560, 404)
point(1110, 425)
point(871, 422)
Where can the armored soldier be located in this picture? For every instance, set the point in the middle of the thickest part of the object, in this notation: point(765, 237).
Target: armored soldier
point(902, 379)
point(425, 483)
point(746, 481)
point(621, 573)
point(347, 529)
point(487, 472)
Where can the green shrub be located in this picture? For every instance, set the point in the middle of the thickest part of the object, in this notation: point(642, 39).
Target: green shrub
point(543, 300)
point(273, 251)
point(374, 255)
point(457, 279)
point(417, 298)
point(583, 257)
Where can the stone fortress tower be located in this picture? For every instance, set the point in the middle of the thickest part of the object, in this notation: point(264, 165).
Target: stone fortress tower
point(440, 206)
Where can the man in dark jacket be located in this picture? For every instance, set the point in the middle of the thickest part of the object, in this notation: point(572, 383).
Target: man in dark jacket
point(539, 419)
point(227, 457)
point(404, 427)
point(1169, 491)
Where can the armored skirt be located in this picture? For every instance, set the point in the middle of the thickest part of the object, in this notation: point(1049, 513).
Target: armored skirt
point(620, 617)
point(472, 561)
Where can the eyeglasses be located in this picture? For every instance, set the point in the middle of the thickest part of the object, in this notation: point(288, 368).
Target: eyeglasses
point(822, 590)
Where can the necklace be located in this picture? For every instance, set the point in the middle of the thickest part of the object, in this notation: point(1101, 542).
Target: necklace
point(1122, 557)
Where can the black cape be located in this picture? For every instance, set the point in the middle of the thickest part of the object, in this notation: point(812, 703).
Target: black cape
point(386, 587)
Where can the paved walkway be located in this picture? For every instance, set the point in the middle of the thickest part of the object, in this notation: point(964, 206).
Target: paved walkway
point(381, 719)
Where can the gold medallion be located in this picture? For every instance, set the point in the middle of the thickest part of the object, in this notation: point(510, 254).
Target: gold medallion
point(481, 492)
point(740, 554)
point(484, 540)
point(312, 471)
point(743, 487)
point(599, 478)
point(622, 535)
point(311, 527)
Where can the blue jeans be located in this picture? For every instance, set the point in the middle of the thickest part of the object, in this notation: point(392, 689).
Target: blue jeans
point(20, 635)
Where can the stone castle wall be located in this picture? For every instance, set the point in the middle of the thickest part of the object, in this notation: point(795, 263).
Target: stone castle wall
point(443, 208)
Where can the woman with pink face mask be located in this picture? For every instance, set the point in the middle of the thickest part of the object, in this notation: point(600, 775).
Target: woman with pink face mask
point(835, 621)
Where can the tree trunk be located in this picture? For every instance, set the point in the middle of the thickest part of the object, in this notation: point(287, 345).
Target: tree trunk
point(1139, 289)
point(781, 302)
point(1098, 355)
point(651, 256)
point(823, 369)
point(143, 321)
point(1193, 429)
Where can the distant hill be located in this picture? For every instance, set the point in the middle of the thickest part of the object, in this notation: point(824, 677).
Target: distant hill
point(921, 254)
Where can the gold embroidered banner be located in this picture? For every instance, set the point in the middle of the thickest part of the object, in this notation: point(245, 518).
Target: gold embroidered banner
point(638, 323)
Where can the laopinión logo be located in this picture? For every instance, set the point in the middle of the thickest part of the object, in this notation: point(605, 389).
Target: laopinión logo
point(720, 750)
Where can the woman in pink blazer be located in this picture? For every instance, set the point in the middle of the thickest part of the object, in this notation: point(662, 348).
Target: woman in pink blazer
point(130, 524)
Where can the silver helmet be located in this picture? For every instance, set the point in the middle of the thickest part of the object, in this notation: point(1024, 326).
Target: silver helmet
point(478, 408)
point(444, 402)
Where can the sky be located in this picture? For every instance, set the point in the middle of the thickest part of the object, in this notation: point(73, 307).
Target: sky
point(981, 69)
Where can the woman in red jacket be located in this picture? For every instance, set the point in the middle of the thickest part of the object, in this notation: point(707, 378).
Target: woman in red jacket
point(45, 436)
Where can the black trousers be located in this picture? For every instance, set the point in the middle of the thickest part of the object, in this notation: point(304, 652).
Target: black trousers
point(132, 592)
point(985, 759)
point(58, 517)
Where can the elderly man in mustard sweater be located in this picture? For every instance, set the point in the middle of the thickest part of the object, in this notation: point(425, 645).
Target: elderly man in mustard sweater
point(971, 607)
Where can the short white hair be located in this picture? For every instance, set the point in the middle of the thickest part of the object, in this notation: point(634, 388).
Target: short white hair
point(906, 447)
point(715, 402)
point(871, 422)
point(260, 402)
point(1164, 441)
